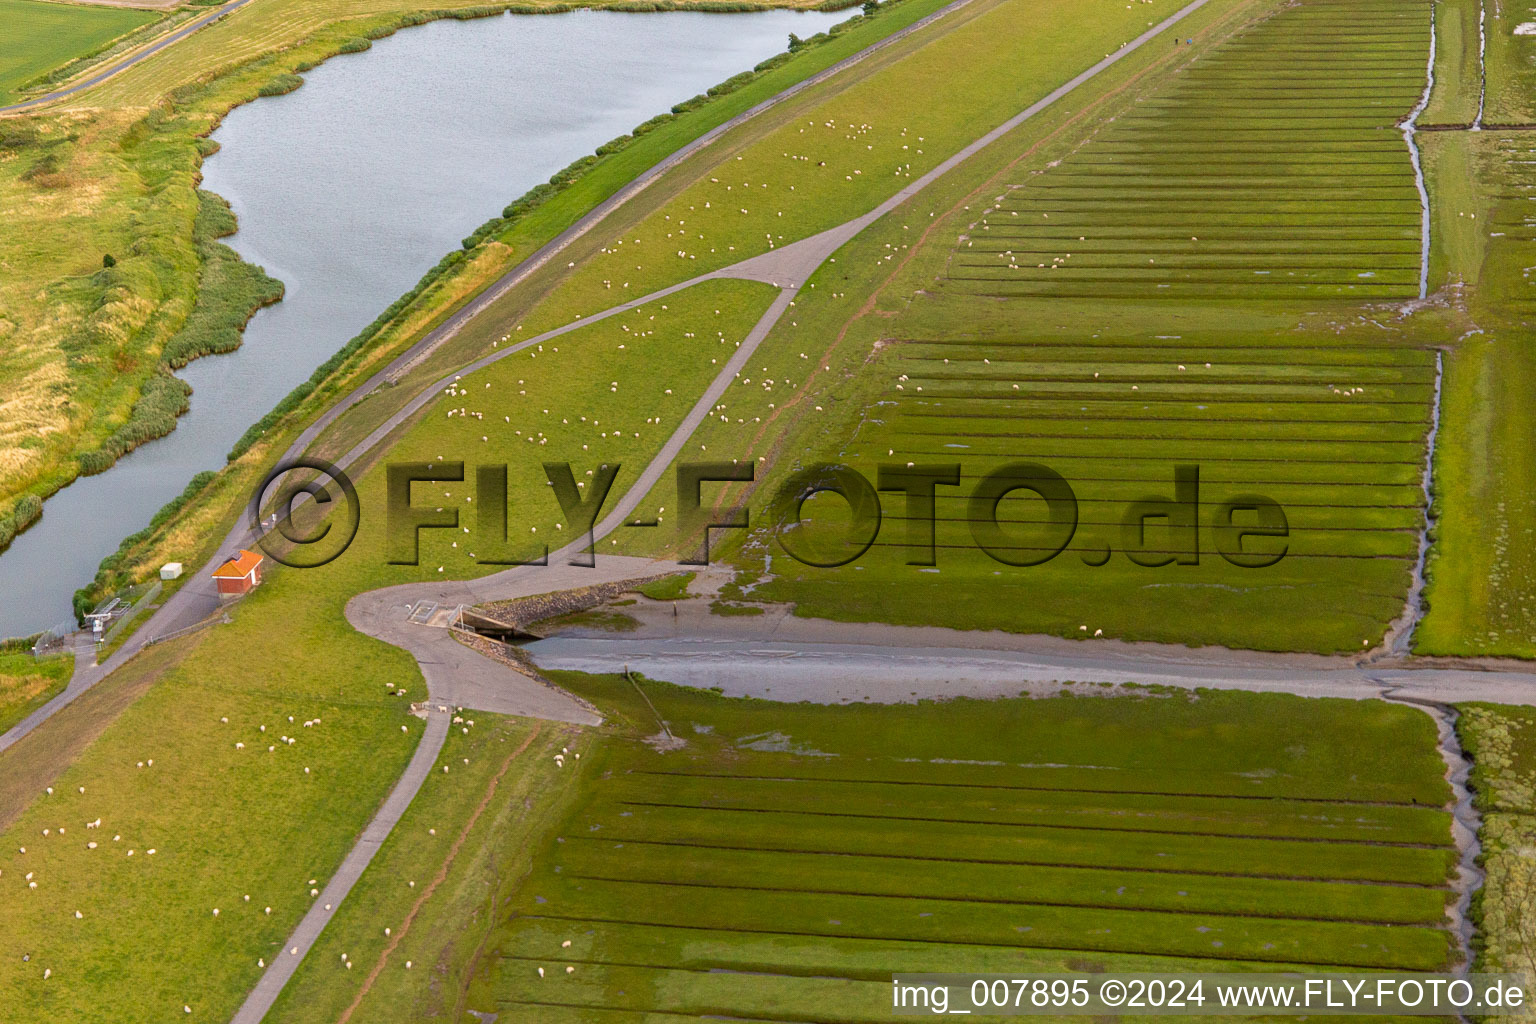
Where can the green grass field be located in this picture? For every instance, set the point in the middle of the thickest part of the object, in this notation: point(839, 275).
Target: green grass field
point(1482, 594)
point(1458, 81)
point(1262, 172)
point(1115, 416)
point(466, 843)
point(789, 857)
point(1247, 362)
point(39, 36)
point(26, 683)
point(225, 820)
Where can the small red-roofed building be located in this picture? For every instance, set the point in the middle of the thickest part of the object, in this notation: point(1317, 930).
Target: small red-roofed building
point(239, 575)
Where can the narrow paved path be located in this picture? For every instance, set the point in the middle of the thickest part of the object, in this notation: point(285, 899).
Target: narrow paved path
point(383, 613)
point(352, 867)
point(197, 599)
point(123, 65)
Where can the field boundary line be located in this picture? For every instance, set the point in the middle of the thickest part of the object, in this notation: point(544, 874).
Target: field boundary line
point(1436, 925)
point(1032, 789)
point(1013, 946)
point(1334, 840)
point(441, 876)
point(994, 862)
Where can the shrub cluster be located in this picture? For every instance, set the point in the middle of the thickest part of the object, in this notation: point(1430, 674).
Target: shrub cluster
point(229, 292)
point(280, 85)
point(163, 398)
point(17, 135)
point(19, 644)
point(44, 166)
point(26, 511)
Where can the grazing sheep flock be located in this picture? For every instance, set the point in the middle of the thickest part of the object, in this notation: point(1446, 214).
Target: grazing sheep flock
point(603, 424)
point(229, 818)
point(247, 928)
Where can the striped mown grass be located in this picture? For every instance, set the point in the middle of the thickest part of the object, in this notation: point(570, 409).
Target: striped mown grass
point(1330, 429)
point(1271, 167)
point(784, 876)
point(1203, 283)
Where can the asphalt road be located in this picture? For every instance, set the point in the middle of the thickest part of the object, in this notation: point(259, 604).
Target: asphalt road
point(197, 599)
point(382, 613)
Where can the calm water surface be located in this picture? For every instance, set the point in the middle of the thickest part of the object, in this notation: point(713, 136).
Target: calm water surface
point(351, 188)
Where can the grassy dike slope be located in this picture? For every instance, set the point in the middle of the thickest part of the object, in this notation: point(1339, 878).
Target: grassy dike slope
point(227, 821)
point(1482, 571)
point(290, 652)
point(113, 173)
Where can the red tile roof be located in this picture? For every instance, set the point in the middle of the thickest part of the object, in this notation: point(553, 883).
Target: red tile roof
point(239, 567)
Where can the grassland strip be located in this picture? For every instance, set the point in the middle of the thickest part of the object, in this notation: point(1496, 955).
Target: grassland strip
point(1502, 753)
point(118, 67)
point(352, 867)
point(437, 879)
